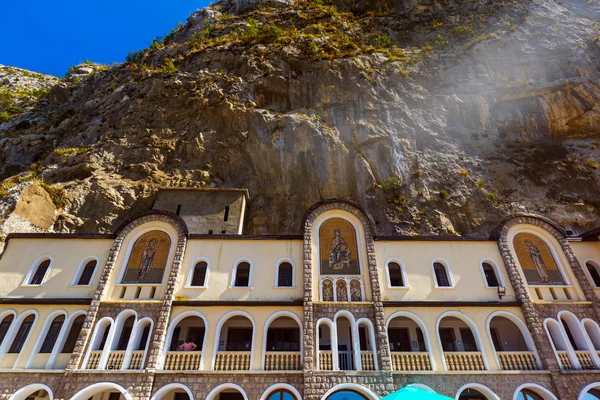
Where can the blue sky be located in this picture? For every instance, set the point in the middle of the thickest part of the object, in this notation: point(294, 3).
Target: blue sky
point(50, 36)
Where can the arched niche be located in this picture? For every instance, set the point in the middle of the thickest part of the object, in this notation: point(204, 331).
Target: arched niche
point(339, 252)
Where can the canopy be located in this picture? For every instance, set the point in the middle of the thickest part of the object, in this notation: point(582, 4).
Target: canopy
point(414, 393)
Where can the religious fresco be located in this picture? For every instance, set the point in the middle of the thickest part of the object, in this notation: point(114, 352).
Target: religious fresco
point(355, 291)
point(148, 258)
point(537, 262)
point(327, 290)
point(341, 290)
point(338, 248)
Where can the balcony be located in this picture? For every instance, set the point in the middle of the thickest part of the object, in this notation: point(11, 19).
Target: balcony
point(183, 360)
point(233, 361)
point(517, 360)
point(94, 359)
point(115, 359)
point(564, 361)
point(367, 360)
point(585, 359)
point(325, 360)
point(411, 361)
point(464, 361)
point(137, 358)
point(282, 361)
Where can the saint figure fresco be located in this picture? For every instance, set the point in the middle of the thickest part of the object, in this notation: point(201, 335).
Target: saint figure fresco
point(355, 291)
point(148, 259)
point(342, 290)
point(536, 260)
point(338, 248)
point(327, 290)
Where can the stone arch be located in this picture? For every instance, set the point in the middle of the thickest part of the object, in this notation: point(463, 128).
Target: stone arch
point(280, 386)
point(23, 393)
point(172, 386)
point(96, 388)
point(487, 392)
point(539, 390)
point(351, 386)
point(587, 388)
point(169, 294)
point(532, 317)
point(370, 265)
point(333, 338)
point(215, 392)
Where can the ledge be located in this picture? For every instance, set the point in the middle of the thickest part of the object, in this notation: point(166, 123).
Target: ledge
point(487, 372)
point(451, 304)
point(249, 372)
point(237, 303)
point(45, 300)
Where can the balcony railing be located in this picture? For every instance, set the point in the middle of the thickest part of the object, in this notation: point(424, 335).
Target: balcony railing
point(94, 359)
point(115, 359)
point(411, 361)
point(325, 360)
point(233, 361)
point(183, 360)
point(517, 360)
point(367, 361)
point(563, 358)
point(137, 357)
point(585, 359)
point(464, 361)
point(346, 360)
point(282, 361)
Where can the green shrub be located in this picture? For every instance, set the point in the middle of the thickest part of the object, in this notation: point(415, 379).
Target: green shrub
point(312, 48)
point(263, 34)
point(382, 41)
point(480, 183)
point(4, 116)
point(392, 183)
point(591, 164)
point(443, 194)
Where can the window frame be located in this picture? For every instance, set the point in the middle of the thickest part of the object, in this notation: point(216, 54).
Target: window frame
point(49, 330)
point(14, 337)
point(277, 266)
point(402, 272)
point(449, 274)
point(33, 269)
point(496, 272)
point(234, 273)
point(81, 267)
point(594, 264)
point(190, 277)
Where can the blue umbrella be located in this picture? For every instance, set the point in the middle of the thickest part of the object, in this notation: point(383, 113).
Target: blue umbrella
point(414, 393)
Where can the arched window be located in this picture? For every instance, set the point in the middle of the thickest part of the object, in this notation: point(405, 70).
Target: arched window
point(125, 333)
point(22, 334)
point(5, 325)
point(88, 272)
point(40, 273)
point(285, 275)
point(527, 394)
point(593, 273)
point(281, 394)
point(441, 275)
point(592, 394)
point(347, 394)
point(73, 335)
point(199, 274)
point(52, 334)
point(489, 272)
point(395, 274)
point(242, 275)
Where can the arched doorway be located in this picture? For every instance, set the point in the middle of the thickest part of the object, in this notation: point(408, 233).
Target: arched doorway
point(408, 342)
point(349, 391)
point(460, 343)
point(471, 394)
point(345, 343)
point(590, 392)
point(532, 391)
point(513, 344)
point(173, 391)
point(234, 344)
point(186, 340)
point(227, 391)
point(283, 345)
point(102, 391)
point(33, 392)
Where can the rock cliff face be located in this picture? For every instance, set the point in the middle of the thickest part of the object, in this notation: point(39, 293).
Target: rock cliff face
point(437, 117)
